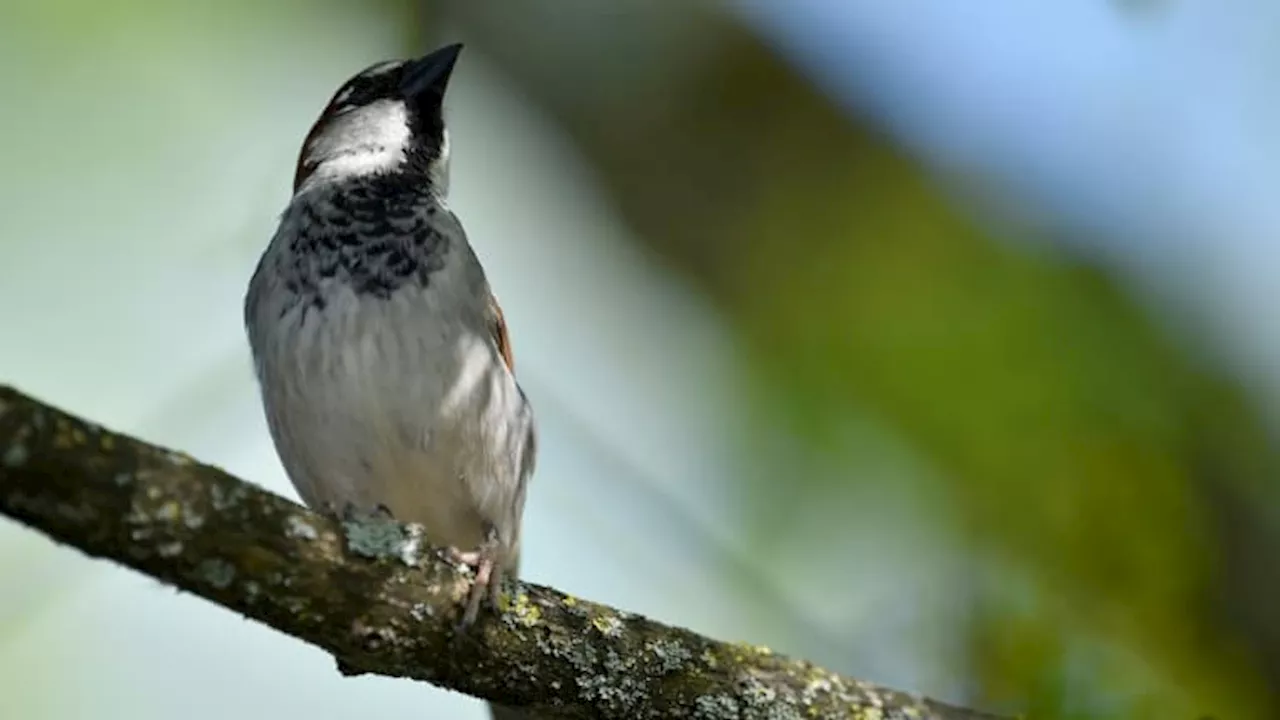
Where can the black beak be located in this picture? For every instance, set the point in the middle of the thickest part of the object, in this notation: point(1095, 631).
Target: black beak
point(428, 76)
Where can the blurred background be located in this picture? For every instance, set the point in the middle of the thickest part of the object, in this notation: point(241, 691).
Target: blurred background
point(935, 342)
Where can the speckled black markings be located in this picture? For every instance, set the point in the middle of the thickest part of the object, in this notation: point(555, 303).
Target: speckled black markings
point(371, 233)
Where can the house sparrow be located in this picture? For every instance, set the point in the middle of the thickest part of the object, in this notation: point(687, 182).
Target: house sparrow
point(382, 355)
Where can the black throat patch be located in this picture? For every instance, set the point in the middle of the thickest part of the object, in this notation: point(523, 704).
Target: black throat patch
point(375, 233)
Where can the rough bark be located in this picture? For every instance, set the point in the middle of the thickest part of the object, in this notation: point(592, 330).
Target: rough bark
point(376, 596)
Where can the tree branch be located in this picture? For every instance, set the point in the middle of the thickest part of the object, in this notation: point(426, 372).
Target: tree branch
point(373, 594)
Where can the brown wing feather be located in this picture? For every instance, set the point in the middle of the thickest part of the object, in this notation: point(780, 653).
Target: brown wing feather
point(499, 329)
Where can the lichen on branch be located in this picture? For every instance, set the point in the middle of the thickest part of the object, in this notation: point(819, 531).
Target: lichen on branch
point(374, 594)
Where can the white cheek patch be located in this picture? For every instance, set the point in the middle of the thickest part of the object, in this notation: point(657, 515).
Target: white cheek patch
point(364, 140)
point(364, 163)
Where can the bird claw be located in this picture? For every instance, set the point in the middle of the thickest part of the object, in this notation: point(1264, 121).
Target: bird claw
point(483, 561)
point(489, 576)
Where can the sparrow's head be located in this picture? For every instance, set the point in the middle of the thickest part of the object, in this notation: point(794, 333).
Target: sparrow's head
point(386, 118)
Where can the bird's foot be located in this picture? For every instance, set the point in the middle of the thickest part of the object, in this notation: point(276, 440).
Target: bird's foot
point(489, 576)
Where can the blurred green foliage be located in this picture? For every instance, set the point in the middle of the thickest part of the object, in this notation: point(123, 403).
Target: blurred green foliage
point(1079, 446)
point(1067, 424)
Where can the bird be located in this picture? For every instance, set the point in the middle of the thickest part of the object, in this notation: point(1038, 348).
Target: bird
point(383, 359)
